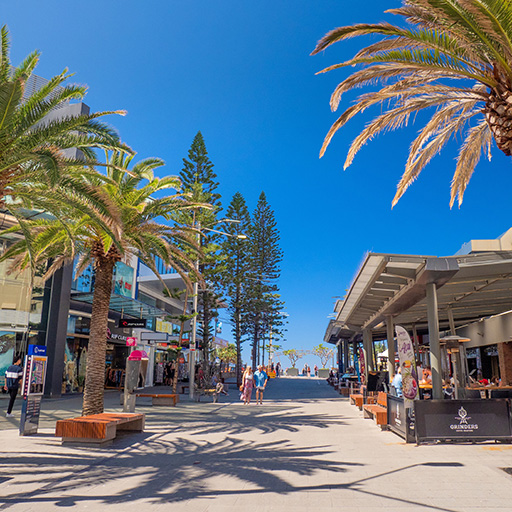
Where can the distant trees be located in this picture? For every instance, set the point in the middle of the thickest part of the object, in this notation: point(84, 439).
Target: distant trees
point(294, 355)
point(323, 352)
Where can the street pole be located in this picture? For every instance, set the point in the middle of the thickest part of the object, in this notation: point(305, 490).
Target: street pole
point(192, 348)
point(270, 351)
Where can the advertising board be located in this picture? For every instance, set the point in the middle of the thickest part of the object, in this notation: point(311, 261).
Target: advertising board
point(462, 420)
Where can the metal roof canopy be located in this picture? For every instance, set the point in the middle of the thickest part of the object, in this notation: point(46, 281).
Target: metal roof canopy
point(124, 305)
point(469, 287)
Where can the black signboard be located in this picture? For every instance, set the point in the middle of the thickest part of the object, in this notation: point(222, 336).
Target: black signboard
point(462, 420)
point(132, 322)
point(30, 409)
point(401, 420)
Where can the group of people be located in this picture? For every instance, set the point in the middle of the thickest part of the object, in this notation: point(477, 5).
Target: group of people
point(307, 370)
point(250, 380)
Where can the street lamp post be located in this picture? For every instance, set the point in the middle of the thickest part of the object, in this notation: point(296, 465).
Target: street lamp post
point(192, 349)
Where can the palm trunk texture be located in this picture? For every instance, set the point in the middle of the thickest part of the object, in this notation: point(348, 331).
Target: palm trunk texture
point(498, 113)
point(95, 370)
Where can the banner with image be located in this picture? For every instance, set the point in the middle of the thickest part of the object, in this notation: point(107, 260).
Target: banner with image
point(406, 355)
point(123, 279)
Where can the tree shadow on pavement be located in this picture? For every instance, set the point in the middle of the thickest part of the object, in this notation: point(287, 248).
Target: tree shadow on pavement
point(162, 470)
point(238, 420)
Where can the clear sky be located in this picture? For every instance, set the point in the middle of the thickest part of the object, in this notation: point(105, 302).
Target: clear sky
point(241, 73)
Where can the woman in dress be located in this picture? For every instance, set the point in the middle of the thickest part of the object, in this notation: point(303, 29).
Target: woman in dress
point(247, 385)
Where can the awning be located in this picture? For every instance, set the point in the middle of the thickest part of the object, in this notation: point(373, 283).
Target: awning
point(124, 305)
point(469, 287)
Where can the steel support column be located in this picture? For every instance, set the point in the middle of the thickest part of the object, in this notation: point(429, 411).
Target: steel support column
point(367, 349)
point(433, 336)
point(391, 347)
point(346, 356)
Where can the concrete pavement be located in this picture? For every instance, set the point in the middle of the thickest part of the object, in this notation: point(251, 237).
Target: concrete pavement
point(306, 448)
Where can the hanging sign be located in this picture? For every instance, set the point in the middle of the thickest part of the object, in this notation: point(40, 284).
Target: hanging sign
point(408, 366)
point(131, 342)
point(132, 322)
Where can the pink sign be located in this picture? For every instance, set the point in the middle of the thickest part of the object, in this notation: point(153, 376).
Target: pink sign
point(131, 342)
point(137, 355)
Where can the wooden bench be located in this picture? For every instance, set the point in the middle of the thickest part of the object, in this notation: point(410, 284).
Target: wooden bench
point(97, 428)
point(378, 411)
point(357, 399)
point(161, 399)
point(344, 391)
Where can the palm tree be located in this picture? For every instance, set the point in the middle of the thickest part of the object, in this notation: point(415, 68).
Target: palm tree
point(135, 231)
point(33, 145)
point(455, 58)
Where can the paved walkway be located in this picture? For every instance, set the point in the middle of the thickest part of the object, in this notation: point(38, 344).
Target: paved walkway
point(313, 452)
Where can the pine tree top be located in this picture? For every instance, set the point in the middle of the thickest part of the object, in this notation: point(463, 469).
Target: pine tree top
point(198, 168)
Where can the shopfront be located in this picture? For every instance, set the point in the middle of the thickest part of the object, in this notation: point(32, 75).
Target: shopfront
point(76, 350)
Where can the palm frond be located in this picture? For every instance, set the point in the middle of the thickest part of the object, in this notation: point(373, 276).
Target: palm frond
point(478, 138)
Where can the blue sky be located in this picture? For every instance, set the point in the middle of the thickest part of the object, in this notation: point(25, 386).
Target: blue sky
point(241, 73)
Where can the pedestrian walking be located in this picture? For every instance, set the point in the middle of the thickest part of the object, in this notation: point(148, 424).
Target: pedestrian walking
point(278, 369)
point(247, 385)
point(13, 376)
point(260, 381)
point(316, 370)
point(309, 371)
point(305, 370)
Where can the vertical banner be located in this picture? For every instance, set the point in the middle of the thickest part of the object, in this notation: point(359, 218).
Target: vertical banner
point(405, 350)
point(362, 366)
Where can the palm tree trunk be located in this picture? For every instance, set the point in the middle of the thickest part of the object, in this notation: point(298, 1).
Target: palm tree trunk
point(498, 113)
point(95, 370)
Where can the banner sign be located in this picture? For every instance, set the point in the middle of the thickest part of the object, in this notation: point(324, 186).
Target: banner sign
point(132, 322)
point(406, 356)
point(468, 420)
point(362, 366)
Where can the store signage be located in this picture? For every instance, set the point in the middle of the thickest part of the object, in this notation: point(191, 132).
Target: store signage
point(119, 337)
point(462, 419)
point(131, 342)
point(408, 365)
point(153, 336)
point(132, 322)
point(36, 350)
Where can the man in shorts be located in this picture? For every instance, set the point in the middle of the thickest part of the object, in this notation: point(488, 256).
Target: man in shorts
point(260, 381)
